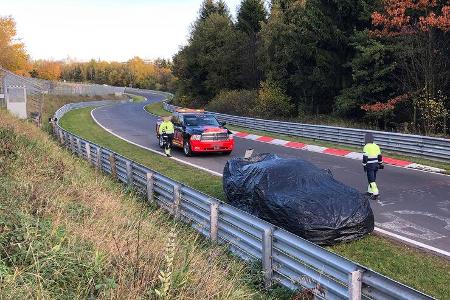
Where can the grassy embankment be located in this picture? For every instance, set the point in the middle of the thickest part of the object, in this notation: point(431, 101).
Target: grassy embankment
point(157, 109)
point(68, 232)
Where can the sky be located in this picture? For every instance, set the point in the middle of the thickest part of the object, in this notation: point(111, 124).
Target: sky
point(113, 30)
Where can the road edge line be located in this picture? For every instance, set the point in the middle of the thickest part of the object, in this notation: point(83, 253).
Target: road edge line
point(414, 243)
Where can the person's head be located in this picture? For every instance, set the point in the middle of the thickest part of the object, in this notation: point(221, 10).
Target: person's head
point(368, 138)
point(167, 118)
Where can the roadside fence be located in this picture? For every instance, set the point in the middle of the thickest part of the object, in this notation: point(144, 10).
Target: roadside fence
point(286, 258)
point(416, 145)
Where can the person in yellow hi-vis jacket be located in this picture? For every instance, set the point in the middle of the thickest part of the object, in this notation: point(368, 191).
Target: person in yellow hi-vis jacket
point(372, 161)
point(166, 130)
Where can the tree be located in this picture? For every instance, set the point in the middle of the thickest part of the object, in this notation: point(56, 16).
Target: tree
point(420, 30)
point(373, 75)
point(251, 15)
point(301, 49)
point(47, 69)
point(209, 63)
point(273, 101)
point(210, 7)
point(13, 55)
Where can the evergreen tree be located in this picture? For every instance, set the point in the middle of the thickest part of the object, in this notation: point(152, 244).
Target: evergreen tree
point(251, 15)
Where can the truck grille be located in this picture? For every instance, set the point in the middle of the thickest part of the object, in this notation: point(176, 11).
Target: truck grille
point(215, 136)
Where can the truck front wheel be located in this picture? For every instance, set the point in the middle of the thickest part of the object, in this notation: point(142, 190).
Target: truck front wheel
point(187, 148)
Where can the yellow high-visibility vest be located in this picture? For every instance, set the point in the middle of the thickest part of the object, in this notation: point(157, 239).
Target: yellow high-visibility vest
point(167, 127)
point(372, 151)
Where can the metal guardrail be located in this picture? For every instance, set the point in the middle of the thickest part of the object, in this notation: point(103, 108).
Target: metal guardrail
point(286, 258)
point(417, 145)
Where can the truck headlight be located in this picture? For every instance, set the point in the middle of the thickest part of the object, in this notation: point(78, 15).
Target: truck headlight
point(196, 137)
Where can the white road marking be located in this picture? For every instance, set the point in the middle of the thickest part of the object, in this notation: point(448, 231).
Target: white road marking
point(252, 137)
point(314, 148)
point(412, 242)
point(279, 142)
point(354, 155)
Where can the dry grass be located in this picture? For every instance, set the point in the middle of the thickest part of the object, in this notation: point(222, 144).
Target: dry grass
point(101, 241)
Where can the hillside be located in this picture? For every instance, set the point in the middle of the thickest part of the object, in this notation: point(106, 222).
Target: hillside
point(66, 231)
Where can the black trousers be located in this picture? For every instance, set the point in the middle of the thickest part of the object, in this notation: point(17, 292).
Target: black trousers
point(372, 170)
point(169, 140)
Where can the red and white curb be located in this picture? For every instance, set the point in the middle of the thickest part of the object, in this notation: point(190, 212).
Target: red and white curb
point(333, 151)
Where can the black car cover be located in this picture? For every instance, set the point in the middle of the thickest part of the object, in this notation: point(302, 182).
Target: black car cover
point(299, 197)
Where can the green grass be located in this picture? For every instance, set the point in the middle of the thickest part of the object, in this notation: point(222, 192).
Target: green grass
point(157, 109)
point(69, 232)
point(136, 98)
point(420, 270)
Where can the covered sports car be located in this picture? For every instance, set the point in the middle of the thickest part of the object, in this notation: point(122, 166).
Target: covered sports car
point(299, 197)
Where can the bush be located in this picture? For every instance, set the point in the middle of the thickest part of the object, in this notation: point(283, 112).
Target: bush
point(272, 101)
point(235, 102)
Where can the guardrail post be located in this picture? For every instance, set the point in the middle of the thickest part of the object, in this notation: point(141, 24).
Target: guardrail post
point(79, 151)
point(112, 162)
point(355, 285)
point(88, 152)
point(71, 143)
point(129, 172)
point(214, 220)
point(61, 136)
point(176, 201)
point(150, 187)
point(267, 239)
point(99, 158)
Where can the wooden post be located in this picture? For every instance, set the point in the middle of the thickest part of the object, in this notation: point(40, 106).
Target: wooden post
point(112, 161)
point(267, 256)
point(176, 201)
point(214, 220)
point(150, 187)
point(355, 285)
point(129, 173)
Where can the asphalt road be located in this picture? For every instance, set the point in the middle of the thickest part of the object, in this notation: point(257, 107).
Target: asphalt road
point(414, 206)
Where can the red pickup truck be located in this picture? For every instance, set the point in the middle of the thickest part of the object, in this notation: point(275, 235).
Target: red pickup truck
point(197, 131)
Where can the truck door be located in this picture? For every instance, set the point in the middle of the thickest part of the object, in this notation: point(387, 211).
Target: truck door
point(178, 134)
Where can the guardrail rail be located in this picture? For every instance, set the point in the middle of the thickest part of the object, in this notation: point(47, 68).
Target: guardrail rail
point(286, 258)
point(416, 145)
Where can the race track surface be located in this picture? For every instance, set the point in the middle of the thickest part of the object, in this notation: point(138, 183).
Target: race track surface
point(414, 205)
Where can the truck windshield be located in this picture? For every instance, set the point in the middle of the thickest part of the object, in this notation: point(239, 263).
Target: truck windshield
point(200, 120)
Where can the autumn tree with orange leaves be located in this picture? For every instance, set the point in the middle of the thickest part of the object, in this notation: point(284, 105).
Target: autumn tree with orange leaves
point(420, 31)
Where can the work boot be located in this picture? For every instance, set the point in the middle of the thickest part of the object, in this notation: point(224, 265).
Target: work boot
point(374, 197)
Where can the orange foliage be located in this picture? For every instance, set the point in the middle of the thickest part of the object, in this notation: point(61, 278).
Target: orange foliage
point(384, 107)
point(47, 69)
point(404, 17)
